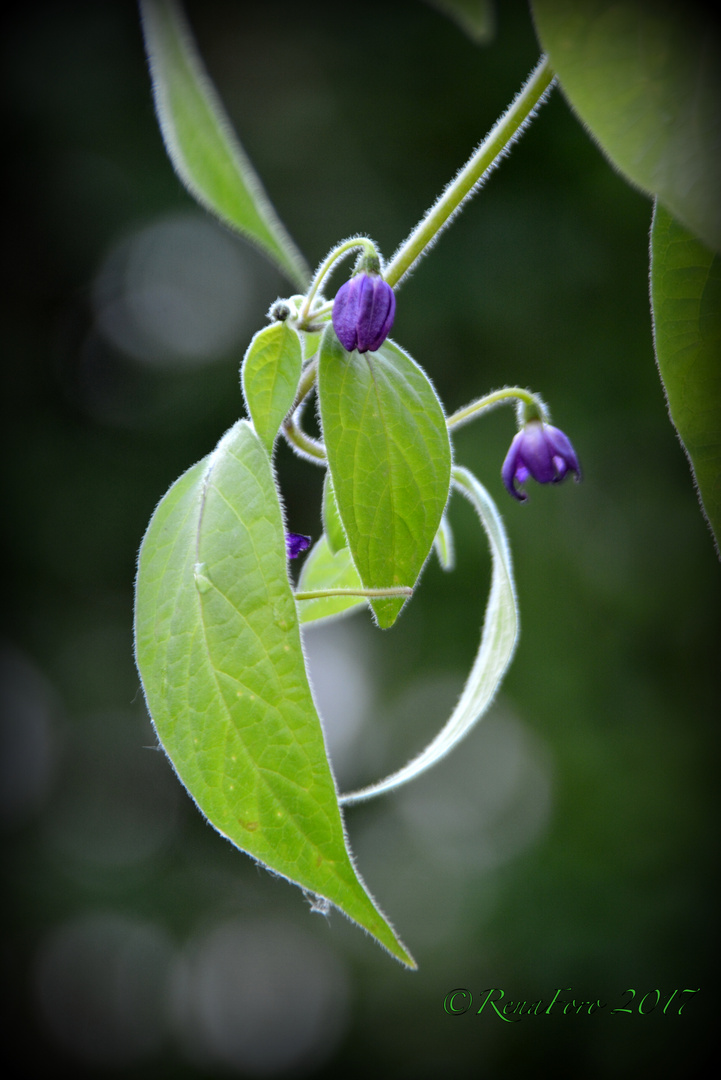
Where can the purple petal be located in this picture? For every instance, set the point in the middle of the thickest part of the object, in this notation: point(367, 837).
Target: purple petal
point(562, 448)
point(345, 308)
point(541, 451)
point(536, 453)
point(379, 307)
point(363, 312)
point(561, 468)
point(295, 543)
point(509, 469)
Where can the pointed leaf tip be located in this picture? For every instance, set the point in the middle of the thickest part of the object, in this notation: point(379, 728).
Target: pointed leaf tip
point(389, 457)
point(200, 141)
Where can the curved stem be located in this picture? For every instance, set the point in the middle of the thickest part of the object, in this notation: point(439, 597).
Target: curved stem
point(497, 397)
point(306, 384)
point(338, 252)
point(304, 446)
point(469, 179)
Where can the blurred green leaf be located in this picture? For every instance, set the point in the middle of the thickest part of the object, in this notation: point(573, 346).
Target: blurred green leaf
point(201, 143)
point(686, 302)
point(476, 18)
point(332, 524)
point(390, 459)
point(498, 643)
point(646, 79)
point(219, 653)
point(269, 375)
point(324, 570)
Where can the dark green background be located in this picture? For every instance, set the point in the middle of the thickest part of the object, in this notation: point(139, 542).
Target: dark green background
point(356, 116)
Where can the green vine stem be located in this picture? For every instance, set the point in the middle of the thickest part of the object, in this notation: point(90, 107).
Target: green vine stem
point(531, 404)
point(304, 445)
point(469, 180)
point(474, 172)
point(338, 252)
point(306, 384)
point(372, 594)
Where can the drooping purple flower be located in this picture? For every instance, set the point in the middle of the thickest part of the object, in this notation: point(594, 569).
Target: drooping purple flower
point(541, 451)
point(295, 543)
point(363, 312)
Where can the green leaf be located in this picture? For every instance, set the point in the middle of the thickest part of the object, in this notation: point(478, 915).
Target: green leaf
point(324, 570)
point(270, 374)
point(311, 341)
point(443, 544)
point(646, 79)
point(200, 141)
point(332, 524)
point(389, 456)
point(476, 18)
point(498, 643)
point(219, 652)
point(686, 301)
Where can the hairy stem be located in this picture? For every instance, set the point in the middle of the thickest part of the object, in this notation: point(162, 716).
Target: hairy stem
point(473, 173)
point(373, 594)
point(498, 397)
point(306, 384)
point(304, 446)
point(338, 252)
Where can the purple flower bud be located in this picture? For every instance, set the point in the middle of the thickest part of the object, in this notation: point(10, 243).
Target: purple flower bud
point(363, 312)
point(295, 543)
point(541, 451)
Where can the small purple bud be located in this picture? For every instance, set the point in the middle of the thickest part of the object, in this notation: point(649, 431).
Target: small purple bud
point(295, 543)
point(541, 451)
point(363, 312)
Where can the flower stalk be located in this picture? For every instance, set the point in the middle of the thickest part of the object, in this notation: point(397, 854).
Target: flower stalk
point(339, 252)
point(532, 405)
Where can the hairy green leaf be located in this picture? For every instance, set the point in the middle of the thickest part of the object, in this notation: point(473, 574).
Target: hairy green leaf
point(201, 143)
point(219, 652)
point(646, 79)
point(324, 570)
point(498, 643)
point(269, 375)
point(686, 301)
point(390, 458)
point(332, 524)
